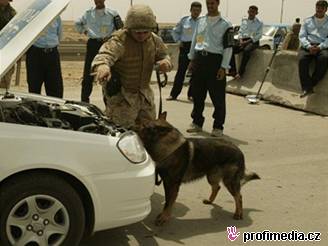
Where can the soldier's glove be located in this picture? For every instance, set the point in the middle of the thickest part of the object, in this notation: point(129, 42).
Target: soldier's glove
point(221, 74)
point(164, 65)
point(103, 74)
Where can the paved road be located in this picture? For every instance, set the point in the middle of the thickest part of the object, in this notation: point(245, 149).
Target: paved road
point(289, 149)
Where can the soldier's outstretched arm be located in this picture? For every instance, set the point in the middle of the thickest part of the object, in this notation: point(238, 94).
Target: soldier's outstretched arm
point(109, 52)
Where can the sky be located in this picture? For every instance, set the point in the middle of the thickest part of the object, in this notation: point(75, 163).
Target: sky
point(170, 11)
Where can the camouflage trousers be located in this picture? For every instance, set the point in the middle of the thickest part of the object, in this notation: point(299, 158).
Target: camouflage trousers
point(6, 79)
point(129, 109)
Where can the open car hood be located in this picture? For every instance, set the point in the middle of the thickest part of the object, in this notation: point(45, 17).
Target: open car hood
point(20, 33)
point(50, 112)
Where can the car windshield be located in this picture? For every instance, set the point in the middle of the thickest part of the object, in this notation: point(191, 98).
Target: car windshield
point(32, 18)
point(18, 23)
point(269, 30)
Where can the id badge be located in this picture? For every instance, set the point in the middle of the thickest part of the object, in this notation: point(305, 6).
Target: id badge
point(104, 29)
point(200, 39)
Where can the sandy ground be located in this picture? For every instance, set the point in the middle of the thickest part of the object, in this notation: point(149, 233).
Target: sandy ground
point(287, 148)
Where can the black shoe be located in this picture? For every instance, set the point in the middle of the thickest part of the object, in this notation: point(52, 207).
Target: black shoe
point(170, 98)
point(306, 93)
point(232, 73)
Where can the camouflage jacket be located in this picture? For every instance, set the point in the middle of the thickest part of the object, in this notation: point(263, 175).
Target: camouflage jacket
point(291, 42)
point(6, 14)
point(133, 61)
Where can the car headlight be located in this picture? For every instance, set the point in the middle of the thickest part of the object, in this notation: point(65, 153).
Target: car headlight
point(131, 147)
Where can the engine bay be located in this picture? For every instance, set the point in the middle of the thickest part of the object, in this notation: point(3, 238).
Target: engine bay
point(72, 115)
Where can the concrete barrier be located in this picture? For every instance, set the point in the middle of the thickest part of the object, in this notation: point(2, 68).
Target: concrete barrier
point(282, 84)
point(255, 70)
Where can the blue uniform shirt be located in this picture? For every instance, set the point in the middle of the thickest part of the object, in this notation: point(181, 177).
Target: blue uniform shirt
point(251, 29)
point(51, 36)
point(99, 23)
point(184, 29)
point(208, 36)
point(314, 32)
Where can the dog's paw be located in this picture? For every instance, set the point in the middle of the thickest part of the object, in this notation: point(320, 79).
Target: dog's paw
point(161, 219)
point(207, 202)
point(238, 216)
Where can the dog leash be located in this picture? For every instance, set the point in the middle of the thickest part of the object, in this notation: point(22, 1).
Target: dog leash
point(161, 84)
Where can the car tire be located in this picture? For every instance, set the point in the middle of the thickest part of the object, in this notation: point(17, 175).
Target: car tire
point(40, 209)
point(265, 47)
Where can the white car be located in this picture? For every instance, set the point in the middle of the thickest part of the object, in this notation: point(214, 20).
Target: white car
point(65, 170)
point(273, 35)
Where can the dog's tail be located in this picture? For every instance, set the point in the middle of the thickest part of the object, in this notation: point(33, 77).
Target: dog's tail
point(248, 177)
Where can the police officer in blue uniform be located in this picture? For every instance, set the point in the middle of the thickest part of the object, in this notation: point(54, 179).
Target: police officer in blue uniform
point(210, 55)
point(97, 23)
point(314, 46)
point(182, 33)
point(249, 36)
point(43, 62)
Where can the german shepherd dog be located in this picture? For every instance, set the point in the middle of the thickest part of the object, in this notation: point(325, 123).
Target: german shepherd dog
point(180, 160)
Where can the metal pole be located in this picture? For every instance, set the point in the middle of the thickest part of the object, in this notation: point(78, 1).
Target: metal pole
point(18, 70)
point(131, 2)
point(227, 8)
point(282, 10)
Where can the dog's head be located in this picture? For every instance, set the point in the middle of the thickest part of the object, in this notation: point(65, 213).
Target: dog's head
point(151, 131)
point(158, 136)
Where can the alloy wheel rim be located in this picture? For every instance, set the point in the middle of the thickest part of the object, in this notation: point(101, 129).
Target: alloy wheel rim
point(37, 220)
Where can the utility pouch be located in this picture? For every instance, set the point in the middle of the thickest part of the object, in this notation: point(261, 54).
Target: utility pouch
point(113, 86)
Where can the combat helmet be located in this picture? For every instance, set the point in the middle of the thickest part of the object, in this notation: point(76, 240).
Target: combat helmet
point(140, 17)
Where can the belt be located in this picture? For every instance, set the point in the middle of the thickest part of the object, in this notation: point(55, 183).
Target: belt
point(101, 40)
point(206, 53)
point(185, 45)
point(46, 50)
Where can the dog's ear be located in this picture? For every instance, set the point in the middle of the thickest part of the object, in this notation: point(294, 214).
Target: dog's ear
point(162, 116)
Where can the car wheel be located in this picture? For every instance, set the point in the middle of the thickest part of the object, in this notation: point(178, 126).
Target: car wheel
point(40, 210)
point(265, 47)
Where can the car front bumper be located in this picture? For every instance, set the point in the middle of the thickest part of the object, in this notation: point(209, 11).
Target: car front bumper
point(123, 198)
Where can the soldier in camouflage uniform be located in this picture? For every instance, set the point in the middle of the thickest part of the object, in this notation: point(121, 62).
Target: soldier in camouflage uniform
point(291, 41)
point(6, 14)
point(131, 54)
